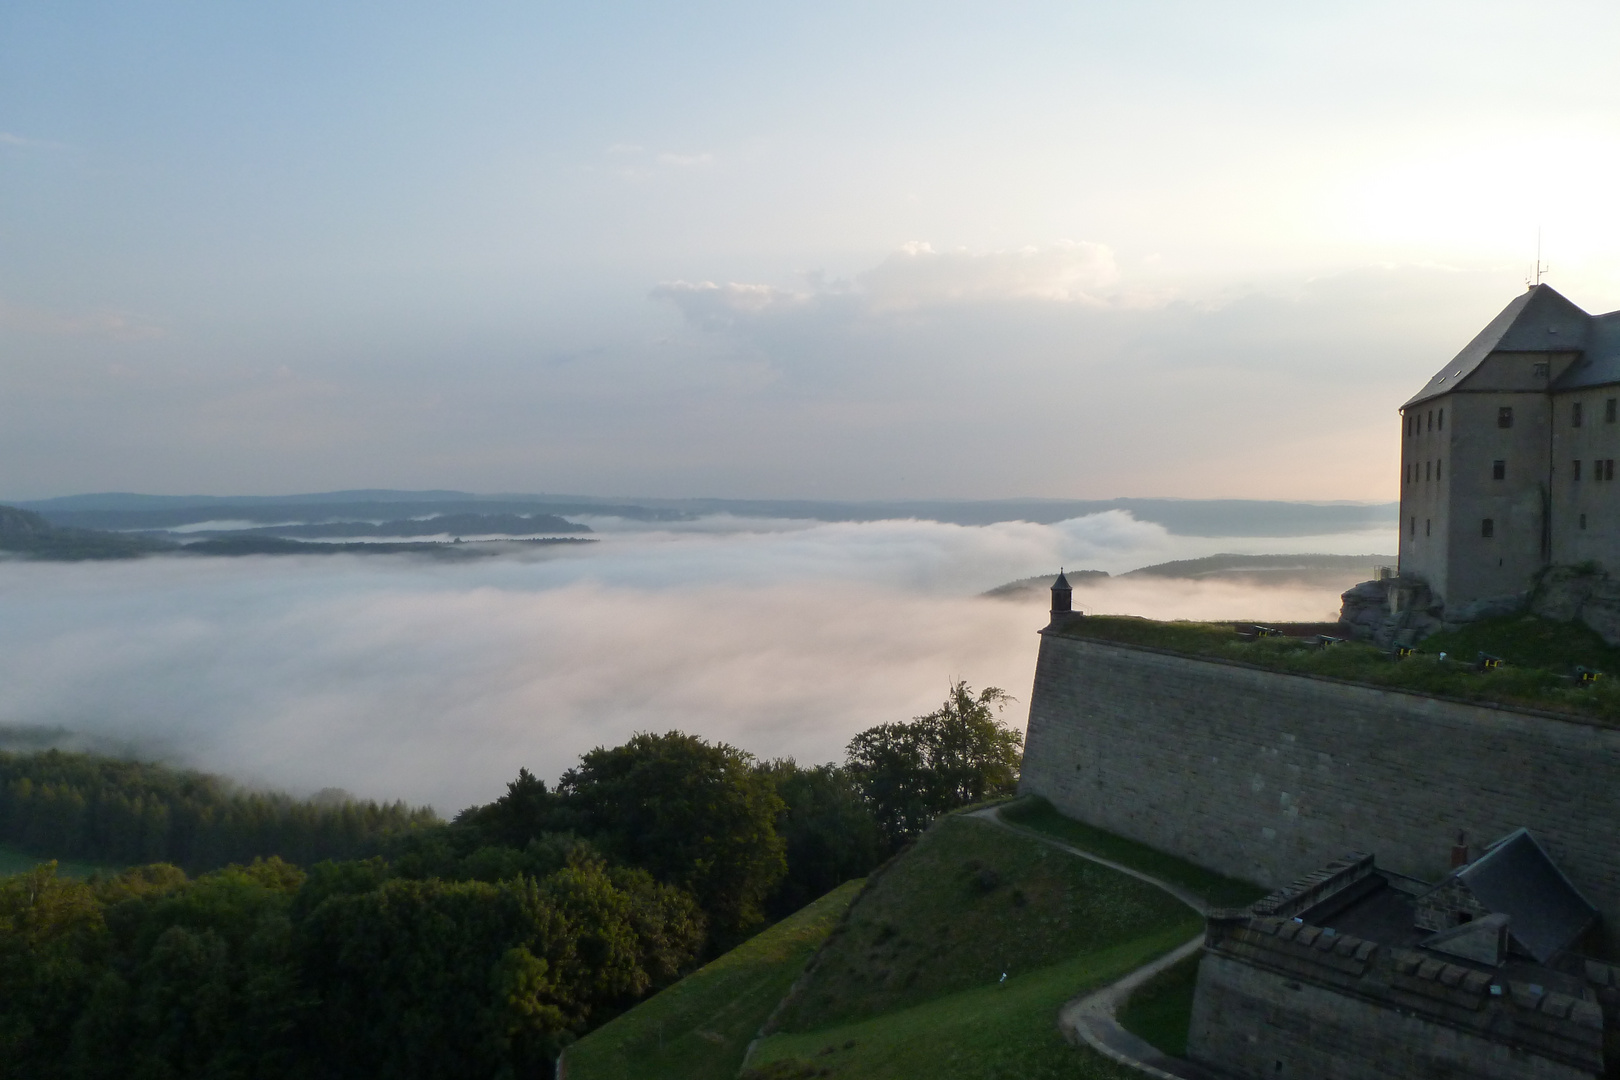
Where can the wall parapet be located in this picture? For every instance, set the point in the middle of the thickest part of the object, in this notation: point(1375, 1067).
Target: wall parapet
point(1266, 775)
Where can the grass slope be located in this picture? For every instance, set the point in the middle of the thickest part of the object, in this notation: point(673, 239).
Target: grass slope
point(14, 860)
point(1005, 1031)
point(1160, 1011)
point(701, 1026)
point(1033, 812)
point(911, 983)
point(1541, 657)
point(970, 902)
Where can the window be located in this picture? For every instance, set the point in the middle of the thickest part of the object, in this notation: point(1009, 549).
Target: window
point(1487, 528)
point(1608, 469)
point(1437, 463)
point(1583, 521)
point(1504, 416)
point(1541, 369)
point(1431, 419)
point(1498, 470)
point(1608, 411)
point(1575, 414)
point(1575, 470)
point(1441, 426)
point(1426, 523)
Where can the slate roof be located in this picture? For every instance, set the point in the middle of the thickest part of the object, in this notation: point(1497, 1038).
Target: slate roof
point(1062, 582)
point(1538, 320)
point(1517, 878)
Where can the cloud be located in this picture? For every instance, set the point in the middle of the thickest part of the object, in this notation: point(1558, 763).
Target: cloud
point(912, 278)
point(918, 276)
point(685, 161)
point(111, 325)
point(434, 682)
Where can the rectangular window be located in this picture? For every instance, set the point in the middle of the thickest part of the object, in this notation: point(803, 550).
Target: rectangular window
point(1441, 426)
point(1498, 470)
point(1609, 411)
point(1541, 369)
point(1608, 469)
point(1426, 523)
point(1583, 521)
point(1504, 416)
point(1431, 419)
point(1426, 465)
point(1487, 528)
point(1575, 414)
point(1575, 470)
point(1437, 463)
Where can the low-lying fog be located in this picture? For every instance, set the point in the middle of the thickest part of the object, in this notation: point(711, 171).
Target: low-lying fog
point(433, 681)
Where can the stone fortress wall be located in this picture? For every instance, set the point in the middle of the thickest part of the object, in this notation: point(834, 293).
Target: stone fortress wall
point(1267, 776)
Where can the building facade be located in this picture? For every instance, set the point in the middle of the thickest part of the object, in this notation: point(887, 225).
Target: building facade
point(1507, 454)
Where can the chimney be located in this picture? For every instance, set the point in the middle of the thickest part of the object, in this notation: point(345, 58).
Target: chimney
point(1459, 852)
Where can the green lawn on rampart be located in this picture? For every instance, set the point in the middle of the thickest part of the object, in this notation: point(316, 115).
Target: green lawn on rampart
point(911, 984)
point(699, 1028)
point(1034, 812)
point(1160, 1011)
point(1540, 659)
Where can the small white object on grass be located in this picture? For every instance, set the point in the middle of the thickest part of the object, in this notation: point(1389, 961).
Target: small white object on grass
point(1003, 976)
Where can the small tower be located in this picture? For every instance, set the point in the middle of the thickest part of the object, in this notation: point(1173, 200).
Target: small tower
point(1062, 597)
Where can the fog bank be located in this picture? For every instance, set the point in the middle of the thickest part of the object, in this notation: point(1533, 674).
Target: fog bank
point(401, 678)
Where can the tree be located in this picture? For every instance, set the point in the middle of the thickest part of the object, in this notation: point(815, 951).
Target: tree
point(960, 753)
point(692, 814)
point(829, 831)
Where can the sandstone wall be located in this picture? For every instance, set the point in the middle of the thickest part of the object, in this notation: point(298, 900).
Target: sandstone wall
point(1267, 776)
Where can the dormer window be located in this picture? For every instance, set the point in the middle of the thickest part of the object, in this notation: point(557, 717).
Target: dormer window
point(1504, 416)
point(1541, 368)
point(1575, 414)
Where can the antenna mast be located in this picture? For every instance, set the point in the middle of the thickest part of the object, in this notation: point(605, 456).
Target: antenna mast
point(1541, 268)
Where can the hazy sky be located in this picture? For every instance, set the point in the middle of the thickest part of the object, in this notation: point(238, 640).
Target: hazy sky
point(839, 250)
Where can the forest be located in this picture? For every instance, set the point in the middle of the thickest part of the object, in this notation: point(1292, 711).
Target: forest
point(260, 935)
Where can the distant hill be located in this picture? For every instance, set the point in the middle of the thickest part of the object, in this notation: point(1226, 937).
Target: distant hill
point(1340, 571)
point(25, 534)
point(1040, 583)
point(1337, 572)
point(1182, 517)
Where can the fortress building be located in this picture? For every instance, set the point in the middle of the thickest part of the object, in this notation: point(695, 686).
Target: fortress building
point(1507, 455)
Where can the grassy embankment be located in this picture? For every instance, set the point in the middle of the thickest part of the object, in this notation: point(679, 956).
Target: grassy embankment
point(911, 984)
point(699, 1028)
point(1540, 657)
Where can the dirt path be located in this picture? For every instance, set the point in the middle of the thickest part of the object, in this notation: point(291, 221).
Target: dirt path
point(1091, 1018)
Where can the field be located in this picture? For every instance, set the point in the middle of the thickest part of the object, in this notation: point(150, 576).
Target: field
point(699, 1028)
point(913, 983)
point(1538, 672)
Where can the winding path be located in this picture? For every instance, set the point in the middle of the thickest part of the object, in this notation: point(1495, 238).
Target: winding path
point(1091, 1018)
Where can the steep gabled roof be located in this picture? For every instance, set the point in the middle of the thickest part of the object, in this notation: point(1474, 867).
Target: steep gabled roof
point(1539, 320)
point(1517, 878)
point(1600, 364)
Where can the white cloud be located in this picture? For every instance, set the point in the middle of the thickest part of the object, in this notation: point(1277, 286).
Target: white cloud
point(918, 276)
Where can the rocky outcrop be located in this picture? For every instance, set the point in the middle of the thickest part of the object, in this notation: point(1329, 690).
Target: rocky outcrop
point(1583, 594)
point(1391, 611)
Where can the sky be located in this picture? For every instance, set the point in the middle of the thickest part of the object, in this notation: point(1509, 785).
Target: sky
point(838, 250)
point(434, 681)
